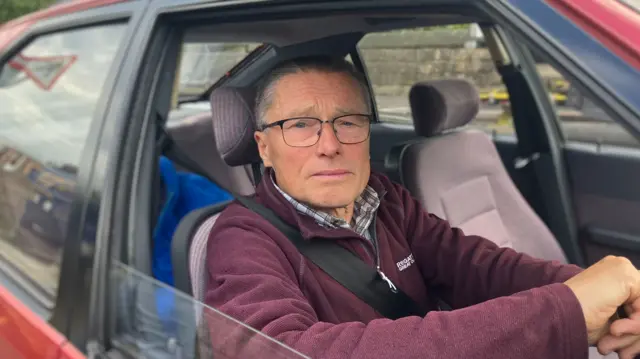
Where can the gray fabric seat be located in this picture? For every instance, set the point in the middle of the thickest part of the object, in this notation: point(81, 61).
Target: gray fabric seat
point(204, 138)
point(458, 175)
point(223, 144)
point(233, 128)
point(457, 172)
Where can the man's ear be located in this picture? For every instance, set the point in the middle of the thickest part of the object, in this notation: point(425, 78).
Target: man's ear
point(261, 140)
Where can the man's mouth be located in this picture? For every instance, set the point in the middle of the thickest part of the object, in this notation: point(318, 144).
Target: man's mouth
point(332, 174)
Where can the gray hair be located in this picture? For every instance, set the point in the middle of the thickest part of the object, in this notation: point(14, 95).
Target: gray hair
point(266, 87)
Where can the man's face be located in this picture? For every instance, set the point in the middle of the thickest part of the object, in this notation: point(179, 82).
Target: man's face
point(329, 174)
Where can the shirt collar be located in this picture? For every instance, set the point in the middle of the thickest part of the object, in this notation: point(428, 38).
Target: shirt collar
point(364, 210)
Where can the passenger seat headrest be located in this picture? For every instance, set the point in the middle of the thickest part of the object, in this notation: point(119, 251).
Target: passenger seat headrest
point(234, 124)
point(441, 105)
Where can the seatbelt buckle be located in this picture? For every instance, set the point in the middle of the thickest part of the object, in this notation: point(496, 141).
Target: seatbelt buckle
point(392, 286)
point(443, 306)
point(522, 162)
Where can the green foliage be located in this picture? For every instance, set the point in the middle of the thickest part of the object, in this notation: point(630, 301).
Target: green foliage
point(11, 9)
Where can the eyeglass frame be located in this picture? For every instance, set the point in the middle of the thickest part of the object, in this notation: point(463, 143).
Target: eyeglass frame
point(280, 123)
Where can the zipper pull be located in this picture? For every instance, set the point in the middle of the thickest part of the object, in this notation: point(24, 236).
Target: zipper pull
point(389, 282)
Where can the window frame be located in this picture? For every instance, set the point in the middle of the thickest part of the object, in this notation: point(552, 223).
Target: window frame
point(142, 102)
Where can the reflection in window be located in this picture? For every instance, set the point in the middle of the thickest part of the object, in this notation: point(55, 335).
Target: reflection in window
point(157, 321)
point(48, 94)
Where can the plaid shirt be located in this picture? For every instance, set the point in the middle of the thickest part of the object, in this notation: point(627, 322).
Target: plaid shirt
point(364, 211)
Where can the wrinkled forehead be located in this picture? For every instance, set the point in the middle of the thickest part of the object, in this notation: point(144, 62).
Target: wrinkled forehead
point(316, 94)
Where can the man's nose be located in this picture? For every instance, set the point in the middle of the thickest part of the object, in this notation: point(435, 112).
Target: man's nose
point(328, 143)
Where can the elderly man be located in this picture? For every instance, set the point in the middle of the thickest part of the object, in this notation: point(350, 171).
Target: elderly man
point(314, 119)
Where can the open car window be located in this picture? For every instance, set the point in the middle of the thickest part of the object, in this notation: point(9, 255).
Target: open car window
point(398, 59)
point(153, 320)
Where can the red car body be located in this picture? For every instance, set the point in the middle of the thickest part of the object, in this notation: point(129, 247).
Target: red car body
point(24, 335)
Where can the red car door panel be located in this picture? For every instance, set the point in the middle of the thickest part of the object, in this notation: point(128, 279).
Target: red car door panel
point(24, 335)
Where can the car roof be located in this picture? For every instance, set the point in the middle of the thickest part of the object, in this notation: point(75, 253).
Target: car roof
point(12, 29)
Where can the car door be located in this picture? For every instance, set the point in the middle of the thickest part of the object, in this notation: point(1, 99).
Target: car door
point(598, 118)
point(53, 80)
point(133, 314)
point(603, 164)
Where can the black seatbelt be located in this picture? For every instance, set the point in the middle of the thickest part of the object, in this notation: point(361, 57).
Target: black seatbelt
point(346, 268)
point(256, 168)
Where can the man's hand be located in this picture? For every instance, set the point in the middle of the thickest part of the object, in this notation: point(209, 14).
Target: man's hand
point(621, 338)
point(601, 289)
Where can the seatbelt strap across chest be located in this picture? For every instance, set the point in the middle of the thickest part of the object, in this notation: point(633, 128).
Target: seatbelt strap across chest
point(364, 281)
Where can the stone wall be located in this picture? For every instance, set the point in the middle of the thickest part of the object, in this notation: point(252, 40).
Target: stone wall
point(393, 70)
point(397, 60)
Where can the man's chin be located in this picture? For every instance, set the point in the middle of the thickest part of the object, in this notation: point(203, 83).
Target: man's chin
point(330, 201)
point(331, 195)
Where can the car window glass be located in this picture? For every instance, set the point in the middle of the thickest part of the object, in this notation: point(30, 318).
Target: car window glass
point(48, 94)
point(398, 59)
point(580, 118)
point(201, 66)
point(156, 321)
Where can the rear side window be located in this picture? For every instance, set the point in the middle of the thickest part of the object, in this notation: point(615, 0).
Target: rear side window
point(48, 94)
point(202, 64)
point(580, 118)
point(398, 59)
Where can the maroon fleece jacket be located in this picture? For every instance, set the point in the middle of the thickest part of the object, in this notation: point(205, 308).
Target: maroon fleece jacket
point(506, 304)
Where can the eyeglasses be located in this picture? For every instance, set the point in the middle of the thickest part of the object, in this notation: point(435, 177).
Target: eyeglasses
point(305, 131)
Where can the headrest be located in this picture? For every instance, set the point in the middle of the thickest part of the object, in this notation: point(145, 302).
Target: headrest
point(234, 125)
point(441, 105)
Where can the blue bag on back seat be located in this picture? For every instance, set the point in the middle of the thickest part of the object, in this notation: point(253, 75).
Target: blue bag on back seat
point(183, 193)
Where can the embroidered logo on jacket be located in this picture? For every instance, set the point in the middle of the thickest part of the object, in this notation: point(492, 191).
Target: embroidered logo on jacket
point(405, 263)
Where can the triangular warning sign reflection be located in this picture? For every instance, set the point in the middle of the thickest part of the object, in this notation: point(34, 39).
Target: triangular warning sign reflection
point(44, 71)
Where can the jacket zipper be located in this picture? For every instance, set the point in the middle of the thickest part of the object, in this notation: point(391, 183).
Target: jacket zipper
point(374, 240)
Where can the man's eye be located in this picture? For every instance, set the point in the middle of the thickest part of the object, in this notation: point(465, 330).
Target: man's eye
point(347, 124)
point(300, 124)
